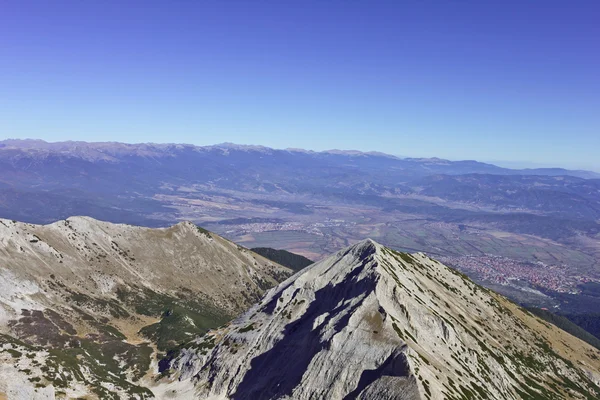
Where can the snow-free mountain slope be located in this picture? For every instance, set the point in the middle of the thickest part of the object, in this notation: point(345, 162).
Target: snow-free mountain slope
point(372, 323)
point(85, 304)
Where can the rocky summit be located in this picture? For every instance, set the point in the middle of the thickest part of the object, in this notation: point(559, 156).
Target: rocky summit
point(371, 323)
point(88, 308)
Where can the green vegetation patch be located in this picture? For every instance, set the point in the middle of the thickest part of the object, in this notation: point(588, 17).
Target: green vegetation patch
point(180, 319)
point(101, 359)
point(566, 325)
point(203, 231)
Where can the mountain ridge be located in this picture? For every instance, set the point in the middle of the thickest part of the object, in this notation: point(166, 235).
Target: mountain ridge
point(314, 204)
point(149, 149)
point(87, 306)
point(385, 325)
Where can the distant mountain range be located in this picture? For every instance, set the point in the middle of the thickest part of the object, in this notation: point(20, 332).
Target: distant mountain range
point(115, 152)
point(314, 203)
point(120, 182)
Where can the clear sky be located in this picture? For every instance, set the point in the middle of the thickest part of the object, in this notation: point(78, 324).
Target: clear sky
point(487, 80)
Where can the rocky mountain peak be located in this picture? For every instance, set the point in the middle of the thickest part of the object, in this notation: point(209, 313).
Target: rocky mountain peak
point(87, 304)
point(370, 322)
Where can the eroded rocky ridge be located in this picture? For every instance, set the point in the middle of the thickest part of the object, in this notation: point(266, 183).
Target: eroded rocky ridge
point(87, 306)
point(372, 323)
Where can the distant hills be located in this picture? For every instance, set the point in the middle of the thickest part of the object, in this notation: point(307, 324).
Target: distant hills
point(314, 203)
point(115, 152)
point(124, 182)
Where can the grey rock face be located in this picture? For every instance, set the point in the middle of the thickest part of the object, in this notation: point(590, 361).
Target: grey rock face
point(85, 304)
point(372, 323)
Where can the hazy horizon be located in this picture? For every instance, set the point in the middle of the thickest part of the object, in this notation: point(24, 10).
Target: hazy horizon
point(500, 163)
point(466, 80)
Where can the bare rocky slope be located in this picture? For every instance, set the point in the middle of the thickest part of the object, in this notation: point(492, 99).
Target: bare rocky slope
point(372, 323)
point(86, 306)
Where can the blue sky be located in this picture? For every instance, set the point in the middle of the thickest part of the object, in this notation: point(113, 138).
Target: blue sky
point(510, 81)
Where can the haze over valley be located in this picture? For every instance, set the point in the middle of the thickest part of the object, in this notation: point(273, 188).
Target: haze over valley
point(531, 234)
